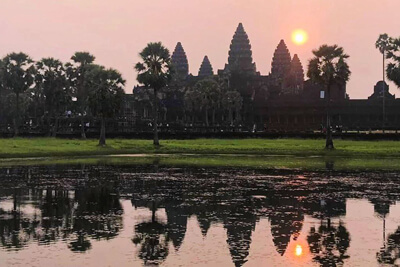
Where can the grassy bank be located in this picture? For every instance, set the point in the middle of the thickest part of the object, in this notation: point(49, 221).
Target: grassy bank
point(50, 147)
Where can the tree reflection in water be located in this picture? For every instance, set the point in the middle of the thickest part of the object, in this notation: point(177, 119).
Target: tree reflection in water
point(89, 209)
point(390, 251)
point(52, 215)
point(16, 227)
point(390, 254)
point(152, 238)
point(330, 242)
point(98, 216)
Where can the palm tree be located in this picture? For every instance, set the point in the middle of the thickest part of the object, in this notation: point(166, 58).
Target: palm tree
point(393, 68)
point(2, 93)
point(106, 92)
point(383, 44)
point(208, 91)
point(51, 80)
point(233, 101)
point(77, 72)
point(154, 71)
point(191, 100)
point(18, 77)
point(329, 68)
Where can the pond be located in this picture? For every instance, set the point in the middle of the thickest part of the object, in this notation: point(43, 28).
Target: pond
point(133, 215)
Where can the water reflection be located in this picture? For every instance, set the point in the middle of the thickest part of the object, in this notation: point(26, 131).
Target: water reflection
point(152, 238)
point(79, 206)
point(46, 216)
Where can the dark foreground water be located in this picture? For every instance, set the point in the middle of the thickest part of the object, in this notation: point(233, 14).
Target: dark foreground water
point(133, 216)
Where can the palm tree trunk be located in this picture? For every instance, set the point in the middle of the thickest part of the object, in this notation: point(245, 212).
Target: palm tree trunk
point(83, 134)
point(49, 128)
point(213, 116)
point(207, 116)
point(329, 139)
point(230, 116)
point(16, 118)
point(55, 128)
point(156, 142)
point(102, 140)
point(237, 115)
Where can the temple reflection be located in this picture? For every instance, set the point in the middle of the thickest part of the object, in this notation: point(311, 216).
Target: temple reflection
point(88, 209)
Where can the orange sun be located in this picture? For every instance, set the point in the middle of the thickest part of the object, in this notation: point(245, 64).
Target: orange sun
point(299, 37)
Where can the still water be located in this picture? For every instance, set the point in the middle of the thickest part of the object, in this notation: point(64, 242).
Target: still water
point(99, 215)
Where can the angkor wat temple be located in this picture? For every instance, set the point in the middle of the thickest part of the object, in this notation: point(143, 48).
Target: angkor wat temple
point(282, 101)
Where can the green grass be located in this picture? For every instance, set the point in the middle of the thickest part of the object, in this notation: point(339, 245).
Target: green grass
point(253, 153)
point(51, 147)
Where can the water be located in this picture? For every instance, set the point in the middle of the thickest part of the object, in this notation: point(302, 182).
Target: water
point(97, 215)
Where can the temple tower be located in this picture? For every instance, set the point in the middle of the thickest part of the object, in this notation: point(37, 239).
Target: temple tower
point(294, 80)
point(281, 61)
point(206, 69)
point(240, 54)
point(180, 62)
point(296, 69)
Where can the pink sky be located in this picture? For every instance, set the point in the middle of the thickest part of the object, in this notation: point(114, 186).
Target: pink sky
point(116, 30)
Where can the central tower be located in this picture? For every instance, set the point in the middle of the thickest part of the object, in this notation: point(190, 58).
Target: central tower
point(240, 55)
point(180, 62)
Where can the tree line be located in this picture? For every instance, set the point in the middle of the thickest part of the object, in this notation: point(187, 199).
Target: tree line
point(50, 89)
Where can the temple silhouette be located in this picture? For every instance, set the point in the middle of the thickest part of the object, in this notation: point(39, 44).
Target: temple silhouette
point(281, 101)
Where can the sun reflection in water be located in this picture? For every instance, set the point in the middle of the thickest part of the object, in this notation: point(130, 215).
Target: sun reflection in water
point(299, 251)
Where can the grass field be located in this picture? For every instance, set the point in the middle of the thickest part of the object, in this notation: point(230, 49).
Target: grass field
point(253, 153)
point(51, 147)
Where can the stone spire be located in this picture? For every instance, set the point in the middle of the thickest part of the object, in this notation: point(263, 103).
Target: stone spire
point(281, 61)
point(294, 79)
point(296, 70)
point(206, 68)
point(240, 54)
point(180, 62)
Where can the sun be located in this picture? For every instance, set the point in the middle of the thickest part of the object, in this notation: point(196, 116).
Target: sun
point(299, 37)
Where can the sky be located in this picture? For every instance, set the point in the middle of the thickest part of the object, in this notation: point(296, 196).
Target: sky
point(115, 31)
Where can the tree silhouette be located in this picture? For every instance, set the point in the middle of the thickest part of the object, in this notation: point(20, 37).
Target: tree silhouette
point(392, 48)
point(328, 67)
point(209, 95)
point(77, 74)
point(18, 76)
point(154, 71)
point(51, 81)
point(105, 95)
point(233, 102)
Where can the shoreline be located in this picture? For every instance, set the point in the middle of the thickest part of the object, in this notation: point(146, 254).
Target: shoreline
point(53, 147)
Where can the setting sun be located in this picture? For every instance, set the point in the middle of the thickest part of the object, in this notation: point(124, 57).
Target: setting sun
point(299, 37)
